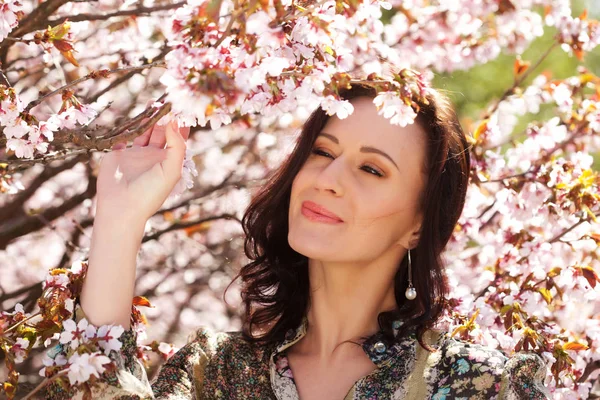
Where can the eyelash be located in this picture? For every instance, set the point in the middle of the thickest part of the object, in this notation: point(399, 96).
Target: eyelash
point(320, 152)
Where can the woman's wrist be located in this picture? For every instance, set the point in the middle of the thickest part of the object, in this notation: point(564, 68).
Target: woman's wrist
point(108, 217)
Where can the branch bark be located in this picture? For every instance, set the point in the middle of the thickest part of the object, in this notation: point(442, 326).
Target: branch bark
point(140, 11)
point(23, 225)
point(15, 207)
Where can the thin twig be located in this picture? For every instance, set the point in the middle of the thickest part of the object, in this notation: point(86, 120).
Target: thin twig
point(545, 156)
point(553, 240)
point(188, 224)
point(16, 205)
point(121, 13)
point(15, 326)
point(519, 80)
point(45, 382)
point(92, 75)
point(591, 367)
point(125, 78)
point(93, 144)
point(233, 17)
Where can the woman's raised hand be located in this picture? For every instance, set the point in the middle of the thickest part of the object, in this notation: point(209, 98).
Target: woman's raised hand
point(134, 182)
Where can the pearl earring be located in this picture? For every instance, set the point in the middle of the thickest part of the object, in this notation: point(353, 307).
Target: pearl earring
point(411, 292)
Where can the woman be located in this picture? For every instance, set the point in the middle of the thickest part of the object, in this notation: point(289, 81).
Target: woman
point(346, 278)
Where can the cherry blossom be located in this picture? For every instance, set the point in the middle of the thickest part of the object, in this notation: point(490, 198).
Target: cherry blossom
point(75, 333)
point(109, 338)
point(20, 349)
point(85, 365)
point(9, 16)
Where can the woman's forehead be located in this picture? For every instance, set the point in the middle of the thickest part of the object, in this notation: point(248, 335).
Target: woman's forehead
point(365, 127)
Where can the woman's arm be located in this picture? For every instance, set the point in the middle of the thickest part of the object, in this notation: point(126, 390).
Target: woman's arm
point(180, 378)
point(109, 285)
point(133, 183)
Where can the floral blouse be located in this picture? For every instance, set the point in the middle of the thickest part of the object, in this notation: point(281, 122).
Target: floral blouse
point(222, 365)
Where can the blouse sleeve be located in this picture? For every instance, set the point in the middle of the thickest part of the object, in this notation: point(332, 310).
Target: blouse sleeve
point(175, 380)
point(523, 377)
point(473, 371)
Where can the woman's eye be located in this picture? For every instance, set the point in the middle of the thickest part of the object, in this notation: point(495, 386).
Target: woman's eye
point(365, 168)
point(320, 152)
point(372, 171)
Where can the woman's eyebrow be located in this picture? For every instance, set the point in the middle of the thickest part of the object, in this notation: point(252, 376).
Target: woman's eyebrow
point(363, 149)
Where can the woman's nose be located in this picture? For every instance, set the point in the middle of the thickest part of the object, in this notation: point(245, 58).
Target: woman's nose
point(330, 178)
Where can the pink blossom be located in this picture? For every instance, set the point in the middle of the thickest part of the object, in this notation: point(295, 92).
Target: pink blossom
point(59, 280)
point(22, 148)
point(562, 96)
point(109, 335)
point(167, 349)
point(58, 359)
point(73, 334)
point(8, 16)
point(20, 349)
point(341, 108)
point(390, 105)
point(83, 366)
point(16, 129)
point(75, 115)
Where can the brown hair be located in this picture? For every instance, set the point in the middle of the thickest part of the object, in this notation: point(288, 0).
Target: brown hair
point(275, 284)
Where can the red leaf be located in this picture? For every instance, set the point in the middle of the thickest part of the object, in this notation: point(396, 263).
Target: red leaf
point(141, 301)
point(590, 275)
point(62, 45)
point(520, 66)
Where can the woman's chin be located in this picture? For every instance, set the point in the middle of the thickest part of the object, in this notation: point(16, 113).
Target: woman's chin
point(311, 247)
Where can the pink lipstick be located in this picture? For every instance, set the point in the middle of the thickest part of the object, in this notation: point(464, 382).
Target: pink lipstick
point(318, 213)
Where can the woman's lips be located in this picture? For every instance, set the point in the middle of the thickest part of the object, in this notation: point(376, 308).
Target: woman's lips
point(313, 212)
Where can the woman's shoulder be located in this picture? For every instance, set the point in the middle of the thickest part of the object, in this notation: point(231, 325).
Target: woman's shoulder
point(224, 346)
point(223, 362)
point(463, 369)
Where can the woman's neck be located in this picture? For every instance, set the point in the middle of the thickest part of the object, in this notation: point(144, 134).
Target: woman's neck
point(345, 301)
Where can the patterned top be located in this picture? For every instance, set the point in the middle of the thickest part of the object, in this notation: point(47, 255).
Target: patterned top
point(222, 365)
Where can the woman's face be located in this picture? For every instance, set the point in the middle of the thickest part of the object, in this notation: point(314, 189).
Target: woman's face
point(368, 174)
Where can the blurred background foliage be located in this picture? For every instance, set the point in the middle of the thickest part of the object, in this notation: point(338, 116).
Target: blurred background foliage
point(493, 78)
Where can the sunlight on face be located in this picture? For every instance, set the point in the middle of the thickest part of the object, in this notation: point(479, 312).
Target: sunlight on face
point(369, 175)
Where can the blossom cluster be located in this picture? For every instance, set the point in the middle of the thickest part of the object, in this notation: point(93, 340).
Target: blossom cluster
point(529, 228)
point(10, 13)
point(78, 350)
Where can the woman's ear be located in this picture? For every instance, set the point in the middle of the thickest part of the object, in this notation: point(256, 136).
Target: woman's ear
point(414, 240)
point(411, 239)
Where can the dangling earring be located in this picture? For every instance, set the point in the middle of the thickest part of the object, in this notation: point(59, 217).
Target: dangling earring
point(411, 292)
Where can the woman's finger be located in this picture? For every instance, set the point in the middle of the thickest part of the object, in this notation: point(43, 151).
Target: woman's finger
point(173, 163)
point(119, 146)
point(185, 132)
point(158, 137)
point(144, 138)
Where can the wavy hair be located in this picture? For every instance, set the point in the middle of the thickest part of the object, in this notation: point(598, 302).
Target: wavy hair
point(275, 283)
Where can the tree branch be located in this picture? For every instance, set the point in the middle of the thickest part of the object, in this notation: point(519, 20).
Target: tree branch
point(188, 224)
point(15, 206)
point(591, 367)
point(23, 225)
point(520, 80)
point(138, 12)
point(38, 17)
point(124, 78)
point(91, 75)
point(90, 144)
